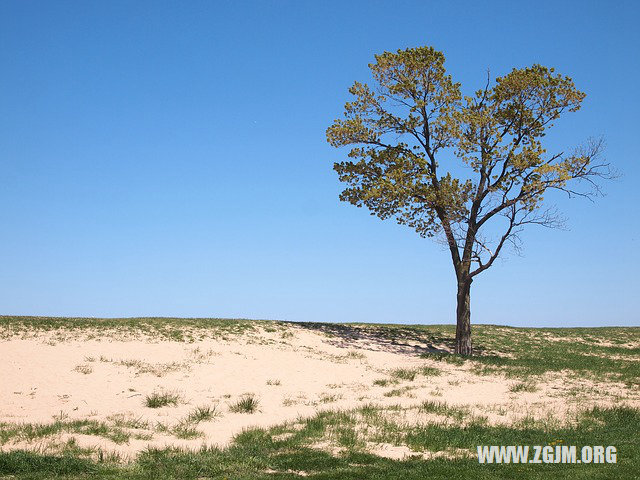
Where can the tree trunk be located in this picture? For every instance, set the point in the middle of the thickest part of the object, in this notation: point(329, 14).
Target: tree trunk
point(463, 318)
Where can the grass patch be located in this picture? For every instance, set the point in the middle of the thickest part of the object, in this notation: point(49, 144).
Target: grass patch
point(600, 354)
point(408, 374)
point(398, 392)
point(161, 399)
point(126, 421)
point(523, 387)
point(444, 357)
point(35, 431)
point(248, 403)
point(202, 414)
point(186, 431)
point(441, 408)
point(384, 382)
point(286, 450)
point(404, 374)
point(430, 371)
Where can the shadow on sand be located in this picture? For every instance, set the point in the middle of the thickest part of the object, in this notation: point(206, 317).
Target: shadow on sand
point(387, 338)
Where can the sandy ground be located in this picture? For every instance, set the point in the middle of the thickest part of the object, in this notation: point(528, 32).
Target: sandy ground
point(293, 372)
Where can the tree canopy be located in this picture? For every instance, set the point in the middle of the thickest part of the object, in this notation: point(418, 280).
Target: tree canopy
point(413, 133)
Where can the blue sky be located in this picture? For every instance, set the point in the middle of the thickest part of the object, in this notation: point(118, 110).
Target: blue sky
point(169, 158)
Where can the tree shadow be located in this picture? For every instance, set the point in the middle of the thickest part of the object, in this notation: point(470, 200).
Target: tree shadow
point(387, 338)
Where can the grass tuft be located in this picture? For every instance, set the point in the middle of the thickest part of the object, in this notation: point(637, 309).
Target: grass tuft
point(404, 374)
point(248, 403)
point(202, 414)
point(523, 387)
point(430, 371)
point(442, 408)
point(186, 431)
point(161, 399)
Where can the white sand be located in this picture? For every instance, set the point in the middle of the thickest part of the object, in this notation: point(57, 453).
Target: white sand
point(294, 374)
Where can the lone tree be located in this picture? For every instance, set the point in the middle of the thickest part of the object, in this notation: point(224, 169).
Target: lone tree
point(412, 133)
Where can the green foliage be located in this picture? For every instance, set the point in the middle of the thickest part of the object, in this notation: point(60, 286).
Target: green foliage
point(405, 131)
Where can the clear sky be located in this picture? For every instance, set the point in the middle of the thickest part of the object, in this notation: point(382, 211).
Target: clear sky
point(169, 159)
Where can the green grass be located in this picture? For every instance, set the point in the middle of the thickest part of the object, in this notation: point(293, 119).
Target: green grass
point(383, 382)
point(262, 454)
point(246, 404)
point(445, 357)
point(408, 374)
point(30, 431)
point(430, 371)
point(161, 399)
point(523, 387)
point(404, 374)
point(608, 353)
point(126, 421)
point(186, 431)
point(398, 392)
point(203, 413)
point(445, 410)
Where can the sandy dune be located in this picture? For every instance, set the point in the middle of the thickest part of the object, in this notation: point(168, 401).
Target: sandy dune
point(292, 372)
